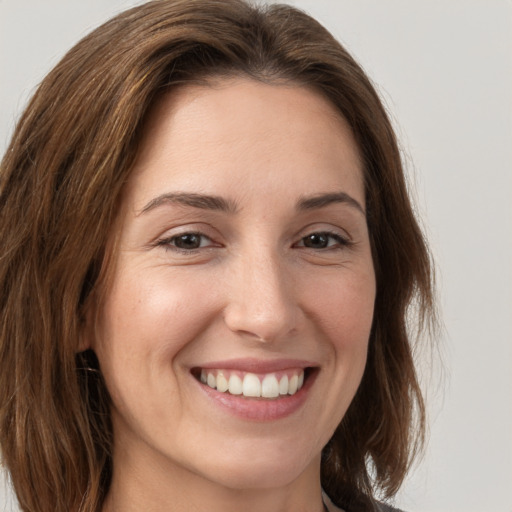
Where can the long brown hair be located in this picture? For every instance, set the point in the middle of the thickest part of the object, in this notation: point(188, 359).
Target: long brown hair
point(61, 180)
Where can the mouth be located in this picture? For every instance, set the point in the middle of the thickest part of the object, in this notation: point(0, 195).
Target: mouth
point(257, 390)
point(269, 386)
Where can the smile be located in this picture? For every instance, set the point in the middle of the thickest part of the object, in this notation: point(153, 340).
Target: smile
point(257, 390)
point(252, 385)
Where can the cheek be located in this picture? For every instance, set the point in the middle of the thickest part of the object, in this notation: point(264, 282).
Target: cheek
point(147, 319)
point(154, 312)
point(144, 323)
point(343, 305)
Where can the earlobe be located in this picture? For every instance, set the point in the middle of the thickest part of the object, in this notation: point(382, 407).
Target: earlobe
point(86, 328)
point(84, 340)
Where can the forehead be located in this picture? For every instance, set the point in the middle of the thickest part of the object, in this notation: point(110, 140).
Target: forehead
point(242, 130)
point(231, 94)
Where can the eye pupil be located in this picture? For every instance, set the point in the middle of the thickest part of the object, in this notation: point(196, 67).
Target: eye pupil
point(188, 241)
point(316, 241)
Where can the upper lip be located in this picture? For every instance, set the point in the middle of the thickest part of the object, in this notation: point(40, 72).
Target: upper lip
point(258, 365)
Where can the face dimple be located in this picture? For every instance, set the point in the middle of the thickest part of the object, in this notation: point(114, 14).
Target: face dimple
point(243, 250)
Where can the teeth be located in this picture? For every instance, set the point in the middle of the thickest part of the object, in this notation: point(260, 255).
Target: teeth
point(222, 382)
point(252, 385)
point(283, 385)
point(235, 385)
point(270, 387)
point(301, 380)
point(292, 385)
point(211, 380)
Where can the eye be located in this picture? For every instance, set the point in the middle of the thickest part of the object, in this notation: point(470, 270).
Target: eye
point(187, 241)
point(323, 240)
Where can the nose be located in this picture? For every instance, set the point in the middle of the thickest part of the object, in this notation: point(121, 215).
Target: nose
point(261, 304)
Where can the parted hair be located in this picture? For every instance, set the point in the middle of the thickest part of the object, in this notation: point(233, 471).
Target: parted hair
point(60, 184)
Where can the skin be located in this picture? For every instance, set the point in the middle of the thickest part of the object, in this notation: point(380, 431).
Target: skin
point(255, 287)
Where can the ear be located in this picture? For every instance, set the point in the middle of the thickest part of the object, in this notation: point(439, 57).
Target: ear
point(84, 341)
point(86, 328)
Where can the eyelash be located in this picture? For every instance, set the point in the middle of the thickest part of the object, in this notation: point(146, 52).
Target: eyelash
point(169, 243)
point(341, 241)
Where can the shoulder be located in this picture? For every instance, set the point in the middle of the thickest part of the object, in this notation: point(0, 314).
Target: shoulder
point(382, 507)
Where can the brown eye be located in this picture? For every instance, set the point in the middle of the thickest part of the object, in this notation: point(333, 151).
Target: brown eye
point(188, 241)
point(323, 240)
point(316, 241)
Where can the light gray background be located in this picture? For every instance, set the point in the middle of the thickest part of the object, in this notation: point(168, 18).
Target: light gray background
point(444, 69)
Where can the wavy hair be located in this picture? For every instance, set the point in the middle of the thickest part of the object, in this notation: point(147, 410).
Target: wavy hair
point(60, 183)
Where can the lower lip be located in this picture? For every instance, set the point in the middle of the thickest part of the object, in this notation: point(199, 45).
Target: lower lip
point(260, 409)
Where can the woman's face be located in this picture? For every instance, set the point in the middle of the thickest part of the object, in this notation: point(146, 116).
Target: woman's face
point(234, 333)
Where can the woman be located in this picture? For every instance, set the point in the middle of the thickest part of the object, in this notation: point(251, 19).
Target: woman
point(209, 258)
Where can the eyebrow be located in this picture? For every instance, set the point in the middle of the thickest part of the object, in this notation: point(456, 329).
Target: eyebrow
point(322, 200)
point(201, 201)
point(217, 203)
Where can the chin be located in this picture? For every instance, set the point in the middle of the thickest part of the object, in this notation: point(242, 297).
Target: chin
point(262, 477)
point(262, 471)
